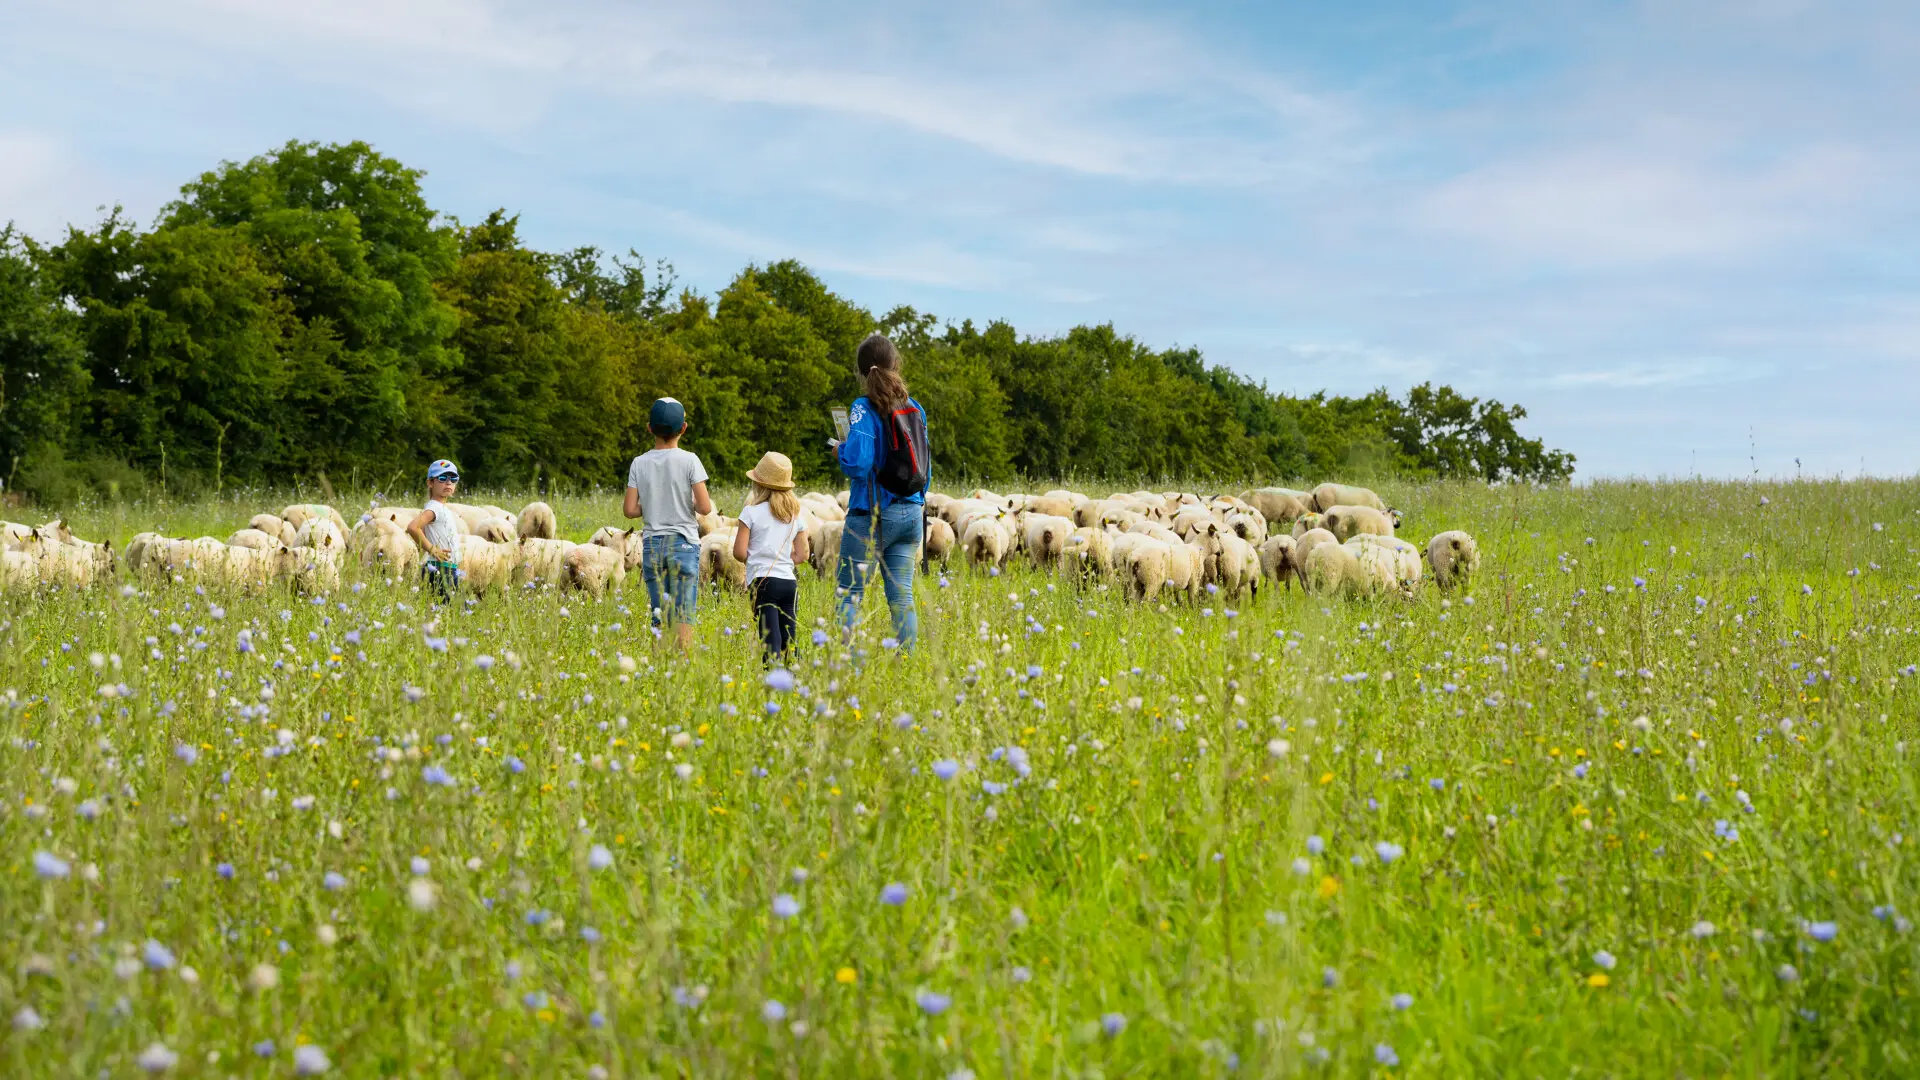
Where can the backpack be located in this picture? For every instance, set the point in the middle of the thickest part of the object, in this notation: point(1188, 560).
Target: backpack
point(905, 461)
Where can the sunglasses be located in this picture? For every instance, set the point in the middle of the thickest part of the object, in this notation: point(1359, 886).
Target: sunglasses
point(443, 479)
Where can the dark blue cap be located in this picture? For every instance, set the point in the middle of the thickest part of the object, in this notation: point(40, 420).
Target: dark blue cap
point(667, 415)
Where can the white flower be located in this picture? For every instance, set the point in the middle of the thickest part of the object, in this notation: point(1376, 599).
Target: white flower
point(327, 934)
point(264, 977)
point(156, 1058)
point(422, 894)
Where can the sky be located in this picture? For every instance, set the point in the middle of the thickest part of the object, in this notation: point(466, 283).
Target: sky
point(1685, 236)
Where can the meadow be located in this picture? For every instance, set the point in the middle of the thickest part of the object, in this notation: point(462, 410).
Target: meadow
point(1639, 802)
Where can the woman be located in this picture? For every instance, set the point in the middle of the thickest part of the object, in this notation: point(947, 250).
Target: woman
point(885, 525)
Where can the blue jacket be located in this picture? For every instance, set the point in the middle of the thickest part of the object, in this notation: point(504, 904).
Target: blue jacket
point(861, 454)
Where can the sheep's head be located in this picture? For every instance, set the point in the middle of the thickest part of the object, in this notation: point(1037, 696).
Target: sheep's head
point(1394, 516)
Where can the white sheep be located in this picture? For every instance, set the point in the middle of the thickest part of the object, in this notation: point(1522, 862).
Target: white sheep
point(1391, 559)
point(1090, 550)
point(254, 538)
point(1303, 545)
point(823, 544)
point(486, 565)
point(1145, 564)
point(1227, 561)
point(499, 530)
point(1328, 496)
point(541, 561)
point(1276, 559)
point(537, 522)
point(316, 569)
point(594, 568)
point(275, 526)
point(392, 551)
point(1052, 505)
point(987, 539)
point(300, 513)
point(937, 545)
point(1249, 525)
point(1454, 556)
point(1347, 522)
point(1045, 537)
point(1305, 524)
point(717, 563)
point(318, 530)
point(1279, 505)
point(18, 570)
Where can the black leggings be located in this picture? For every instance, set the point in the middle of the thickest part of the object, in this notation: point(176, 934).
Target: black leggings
point(773, 607)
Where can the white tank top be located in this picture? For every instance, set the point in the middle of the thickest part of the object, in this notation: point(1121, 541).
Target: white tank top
point(441, 531)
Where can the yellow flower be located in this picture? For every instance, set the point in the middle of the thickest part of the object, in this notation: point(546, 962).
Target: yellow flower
point(846, 976)
point(1329, 886)
point(1326, 778)
point(1597, 980)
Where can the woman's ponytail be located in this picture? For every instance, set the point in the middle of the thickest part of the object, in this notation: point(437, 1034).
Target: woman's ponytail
point(879, 364)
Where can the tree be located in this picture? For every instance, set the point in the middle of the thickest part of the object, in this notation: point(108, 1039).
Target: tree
point(43, 373)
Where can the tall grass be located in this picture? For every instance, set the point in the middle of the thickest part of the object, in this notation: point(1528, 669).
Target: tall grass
point(1642, 802)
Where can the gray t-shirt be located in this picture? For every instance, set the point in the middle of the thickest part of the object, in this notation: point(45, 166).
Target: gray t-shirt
point(664, 480)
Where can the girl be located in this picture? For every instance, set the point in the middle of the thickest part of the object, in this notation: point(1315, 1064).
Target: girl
point(885, 526)
point(434, 530)
point(771, 537)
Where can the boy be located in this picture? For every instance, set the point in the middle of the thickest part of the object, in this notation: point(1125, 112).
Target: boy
point(669, 486)
point(433, 529)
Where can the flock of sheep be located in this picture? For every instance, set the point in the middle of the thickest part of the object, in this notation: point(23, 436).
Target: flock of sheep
point(1333, 539)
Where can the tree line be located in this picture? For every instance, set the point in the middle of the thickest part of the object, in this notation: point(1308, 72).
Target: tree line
point(307, 313)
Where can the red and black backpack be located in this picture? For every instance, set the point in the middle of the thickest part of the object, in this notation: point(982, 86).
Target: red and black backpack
point(906, 462)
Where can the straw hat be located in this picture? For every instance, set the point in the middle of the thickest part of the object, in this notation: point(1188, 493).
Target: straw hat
point(774, 471)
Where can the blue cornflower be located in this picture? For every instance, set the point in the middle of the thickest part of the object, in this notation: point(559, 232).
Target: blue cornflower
point(931, 1003)
point(779, 680)
point(333, 881)
point(434, 774)
point(599, 858)
point(772, 1011)
point(225, 870)
point(597, 1018)
point(1604, 960)
point(1822, 931)
point(265, 1048)
point(785, 906)
point(1437, 784)
point(515, 765)
point(1402, 1002)
point(946, 768)
point(1387, 851)
point(1113, 1023)
point(157, 956)
point(894, 895)
point(420, 866)
point(1315, 845)
point(534, 999)
point(1384, 1054)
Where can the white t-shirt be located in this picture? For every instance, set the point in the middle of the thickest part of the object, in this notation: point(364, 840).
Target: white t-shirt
point(664, 481)
point(770, 541)
point(441, 532)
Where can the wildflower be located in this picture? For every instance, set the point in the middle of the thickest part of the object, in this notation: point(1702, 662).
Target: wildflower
point(1302, 866)
point(187, 753)
point(1384, 1054)
point(785, 906)
point(894, 895)
point(1388, 852)
point(50, 866)
point(779, 680)
point(434, 774)
point(599, 858)
point(27, 1020)
point(1315, 845)
point(310, 1060)
point(1604, 959)
point(772, 1011)
point(420, 866)
point(946, 768)
point(265, 1048)
point(1703, 929)
point(1329, 978)
point(1402, 1002)
point(683, 770)
point(515, 765)
point(333, 881)
point(931, 1003)
point(1278, 747)
point(156, 1058)
point(1113, 1024)
point(1021, 974)
point(846, 976)
point(1787, 973)
point(484, 662)
point(263, 977)
point(1822, 931)
point(157, 956)
point(1598, 980)
point(422, 894)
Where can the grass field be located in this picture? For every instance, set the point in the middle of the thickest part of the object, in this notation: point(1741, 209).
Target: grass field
point(1642, 804)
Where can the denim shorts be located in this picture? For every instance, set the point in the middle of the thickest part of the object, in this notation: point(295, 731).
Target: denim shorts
point(670, 565)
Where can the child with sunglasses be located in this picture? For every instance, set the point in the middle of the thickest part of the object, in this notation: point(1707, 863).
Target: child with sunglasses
point(434, 530)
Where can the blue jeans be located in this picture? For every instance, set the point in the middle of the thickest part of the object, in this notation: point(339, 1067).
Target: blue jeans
point(901, 531)
point(670, 565)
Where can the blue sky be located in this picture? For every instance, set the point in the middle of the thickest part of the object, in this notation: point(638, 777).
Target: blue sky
point(1685, 236)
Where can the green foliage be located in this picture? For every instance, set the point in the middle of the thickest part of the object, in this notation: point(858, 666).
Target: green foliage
point(307, 311)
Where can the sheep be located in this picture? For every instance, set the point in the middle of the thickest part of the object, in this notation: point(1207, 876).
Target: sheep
point(1276, 559)
point(17, 570)
point(14, 536)
point(249, 568)
point(1045, 537)
point(1454, 556)
point(541, 561)
point(537, 522)
point(499, 530)
point(1090, 549)
point(934, 501)
point(275, 526)
point(1347, 522)
point(486, 565)
point(842, 498)
point(1191, 520)
point(1060, 506)
point(1249, 525)
point(956, 511)
point(1305, 524)
point(472, 517)
point(1331, 568)
point(391, 549)
point(1328, 496)
point(986, 540)
point(1303, 545)
point(1278, 504)
point(99, 555)
point(1227, 561)
point(592, 568)
point(1145, 560)
point(316, 569)
point(1186, 569)
point(937, 546)
point(823, 546)
point(317, 530)
point(717, 563)
point(137, 550)
point(1393, 561)
point(300, 513)
point(254, 538)
point(398, 516)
